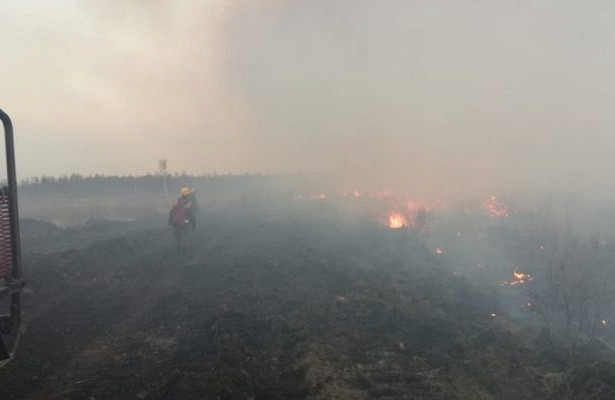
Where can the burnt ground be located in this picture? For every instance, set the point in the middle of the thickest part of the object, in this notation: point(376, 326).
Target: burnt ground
point(261, 308)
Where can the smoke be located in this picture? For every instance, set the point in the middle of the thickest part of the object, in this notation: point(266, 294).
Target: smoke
point(113, 86)
point(438, 97)
point(441, 98)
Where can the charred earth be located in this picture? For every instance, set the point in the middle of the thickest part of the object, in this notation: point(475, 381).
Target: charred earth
point(273, 308)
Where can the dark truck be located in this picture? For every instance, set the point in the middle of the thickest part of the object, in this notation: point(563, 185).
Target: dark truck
point(11, 272)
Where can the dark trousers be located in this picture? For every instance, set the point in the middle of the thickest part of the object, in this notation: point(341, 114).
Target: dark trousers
point(192, 220)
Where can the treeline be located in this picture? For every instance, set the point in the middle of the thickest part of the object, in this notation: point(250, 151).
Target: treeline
point(103, 185)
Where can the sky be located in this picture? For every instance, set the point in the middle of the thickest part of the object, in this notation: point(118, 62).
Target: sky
point(442, 96)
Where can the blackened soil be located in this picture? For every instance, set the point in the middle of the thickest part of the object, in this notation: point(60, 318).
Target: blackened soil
point(261, 309)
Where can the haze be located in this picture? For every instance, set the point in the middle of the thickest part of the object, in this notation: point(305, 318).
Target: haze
point(436, 96)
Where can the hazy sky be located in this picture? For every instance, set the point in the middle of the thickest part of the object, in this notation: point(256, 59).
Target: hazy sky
point(471, 95)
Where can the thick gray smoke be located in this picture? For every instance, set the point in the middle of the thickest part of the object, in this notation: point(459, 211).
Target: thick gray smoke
point(442, 98)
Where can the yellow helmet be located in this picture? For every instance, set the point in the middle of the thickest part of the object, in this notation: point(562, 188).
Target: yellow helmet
point(185, 191)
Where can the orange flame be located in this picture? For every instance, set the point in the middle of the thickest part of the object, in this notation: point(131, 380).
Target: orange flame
point(355, 193)
point(519, 275)
point(519, 279)
point(319, 196)
point(397, 220)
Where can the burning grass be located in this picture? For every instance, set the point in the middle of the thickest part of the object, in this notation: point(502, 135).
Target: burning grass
point(272, 306)
point(519, 278)
point(397, 220)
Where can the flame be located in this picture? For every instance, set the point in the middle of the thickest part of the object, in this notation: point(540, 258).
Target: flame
point(397, 220)
point(439, 251)
point(519, 279)
point(495, 208)
point(355, 193)
point(318, 196)
point(519, 275)
point(605, 322)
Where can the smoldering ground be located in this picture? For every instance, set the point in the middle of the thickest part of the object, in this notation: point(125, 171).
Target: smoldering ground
point(291, 295)
point(434, 219)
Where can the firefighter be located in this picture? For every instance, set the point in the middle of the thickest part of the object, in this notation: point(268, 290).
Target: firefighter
point(187, 200)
